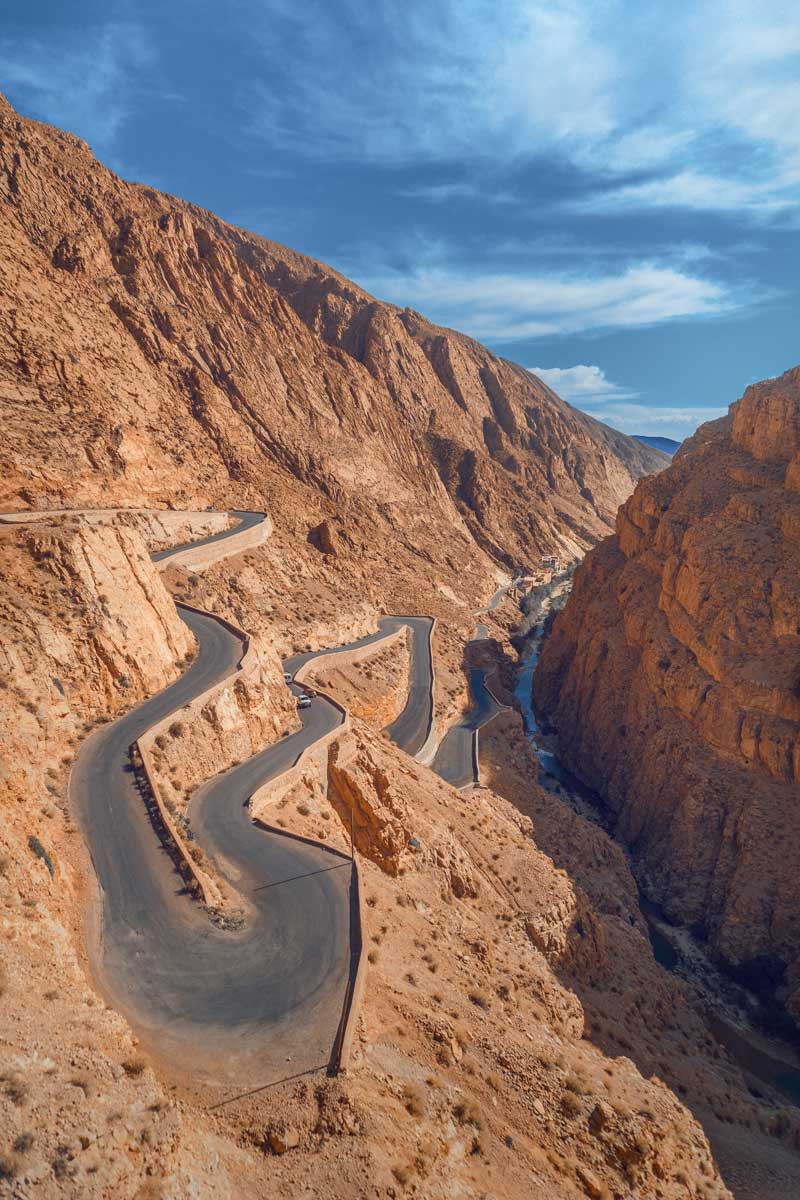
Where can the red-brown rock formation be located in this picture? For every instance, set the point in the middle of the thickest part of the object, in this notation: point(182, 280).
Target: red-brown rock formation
point(672, 678)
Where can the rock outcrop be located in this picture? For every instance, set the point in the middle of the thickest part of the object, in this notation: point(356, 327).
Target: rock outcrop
point(672, 680)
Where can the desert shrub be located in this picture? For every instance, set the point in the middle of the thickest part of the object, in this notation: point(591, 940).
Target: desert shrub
point(467, 1112)
point(9, 1166)
point(134, 1065)
point(38, 849)
point(479, 997)
point(415, 1099)
point(23, 1142)
point(16, 1089)
point(177, 729)
point(462, 1035)
point(574, 1083)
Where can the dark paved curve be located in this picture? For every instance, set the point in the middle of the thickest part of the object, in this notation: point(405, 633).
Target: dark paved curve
point(456, 757)
point(410, 729)
point(263, 1002)
point(245, 520)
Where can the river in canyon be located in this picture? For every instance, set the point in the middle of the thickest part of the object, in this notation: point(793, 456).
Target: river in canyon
point(730, 1010)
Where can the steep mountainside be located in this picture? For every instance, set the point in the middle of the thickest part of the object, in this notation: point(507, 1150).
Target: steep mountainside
point(150, 353)
point(672, 678)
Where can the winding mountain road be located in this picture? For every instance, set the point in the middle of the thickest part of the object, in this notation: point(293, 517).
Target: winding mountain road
point(456, 758)
point(263, 1002)
point(244, 520)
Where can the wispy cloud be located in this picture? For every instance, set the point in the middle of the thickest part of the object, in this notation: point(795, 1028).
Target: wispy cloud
point(85, 84)
point(446, 193)
point(509, 307)
point(699, 192)
point(587, 387)
point(461, 79)
point(705, 103)
point(678, 421)
point(581, 384)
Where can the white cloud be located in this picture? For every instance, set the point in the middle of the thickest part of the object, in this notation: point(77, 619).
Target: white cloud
point(694, 190)
point(504, 307)
point(707, 99)
point(588, 388)
point(668, 421)
point(581, 384)
point(83, 86)
point(459, 79)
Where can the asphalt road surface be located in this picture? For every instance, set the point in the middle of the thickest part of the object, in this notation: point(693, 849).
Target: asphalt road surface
point(410, 729)
point(456, 758)
point(264, 1002)
point(245, 520)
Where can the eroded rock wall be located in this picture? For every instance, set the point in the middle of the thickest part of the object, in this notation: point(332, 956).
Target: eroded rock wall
point(672, 680)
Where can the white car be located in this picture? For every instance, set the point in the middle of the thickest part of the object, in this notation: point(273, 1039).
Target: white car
point(287, 677)
point(304, 702)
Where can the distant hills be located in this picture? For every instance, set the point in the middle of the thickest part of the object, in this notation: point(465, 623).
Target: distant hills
point(668, 445)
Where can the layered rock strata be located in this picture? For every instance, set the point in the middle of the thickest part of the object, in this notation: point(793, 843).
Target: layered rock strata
point(672, 680)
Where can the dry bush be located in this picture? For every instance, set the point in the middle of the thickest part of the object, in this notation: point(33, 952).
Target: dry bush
point(467, 1112)
point(135, 1065)
point(577, 1084)
point(571, 1104)
point(462, 1035)
point(401, 1173)
point(479, 997)
point(415, 1099)
point(16, 1089)
point(9, 1167)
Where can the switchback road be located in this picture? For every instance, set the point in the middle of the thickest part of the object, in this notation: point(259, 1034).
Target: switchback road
point(262, 1002)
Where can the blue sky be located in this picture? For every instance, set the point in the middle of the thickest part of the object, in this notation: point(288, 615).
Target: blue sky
point(603, 191)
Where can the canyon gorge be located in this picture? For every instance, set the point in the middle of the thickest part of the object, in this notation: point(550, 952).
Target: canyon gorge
point(506, 1028)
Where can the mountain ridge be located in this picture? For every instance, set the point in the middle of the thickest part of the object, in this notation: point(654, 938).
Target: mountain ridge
point(278, 371)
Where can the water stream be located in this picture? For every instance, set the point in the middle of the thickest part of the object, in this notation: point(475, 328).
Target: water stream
point(730, 1006)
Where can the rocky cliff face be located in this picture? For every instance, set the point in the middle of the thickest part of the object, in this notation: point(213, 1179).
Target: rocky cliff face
point(672, 678)
point(152, 354)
